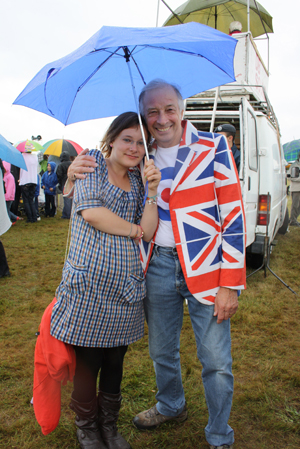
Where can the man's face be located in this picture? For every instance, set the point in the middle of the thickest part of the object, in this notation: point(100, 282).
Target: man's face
point(163, 116)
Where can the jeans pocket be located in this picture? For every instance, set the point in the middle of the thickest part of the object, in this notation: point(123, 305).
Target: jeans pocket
point(135, 289)
point(154, 255)
point(74, 277)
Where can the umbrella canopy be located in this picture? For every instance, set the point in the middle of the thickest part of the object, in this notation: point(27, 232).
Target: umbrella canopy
point(57, 146)
point(220, 13)
point(96, 80)
point(27, 146)
point(9, 153)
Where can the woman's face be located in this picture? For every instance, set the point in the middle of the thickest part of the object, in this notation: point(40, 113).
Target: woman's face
point(128, 147)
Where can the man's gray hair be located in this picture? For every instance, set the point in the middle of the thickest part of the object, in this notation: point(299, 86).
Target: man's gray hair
point(159, 84)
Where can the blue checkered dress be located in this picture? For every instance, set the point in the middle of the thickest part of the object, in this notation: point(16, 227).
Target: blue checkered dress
point(99, 300)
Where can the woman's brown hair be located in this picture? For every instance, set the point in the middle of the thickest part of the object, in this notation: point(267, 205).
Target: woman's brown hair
point(123, 121)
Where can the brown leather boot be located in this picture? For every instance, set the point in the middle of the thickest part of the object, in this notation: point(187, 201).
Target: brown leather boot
point(88, 432)
point(108, 411)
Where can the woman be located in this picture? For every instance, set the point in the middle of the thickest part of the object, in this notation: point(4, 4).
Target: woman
point(99, 306)
point(5, 224)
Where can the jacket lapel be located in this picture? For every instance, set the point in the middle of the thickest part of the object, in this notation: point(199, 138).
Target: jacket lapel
point(186, 154)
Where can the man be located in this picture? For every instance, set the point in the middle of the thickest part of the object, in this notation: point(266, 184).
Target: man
point(295, 190)
point(197, 254)
point(229, 132)
point(235, 28)
point(28, 183)
point(61, 173)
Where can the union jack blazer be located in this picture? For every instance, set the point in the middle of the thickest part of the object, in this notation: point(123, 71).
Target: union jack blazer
point(207, 215)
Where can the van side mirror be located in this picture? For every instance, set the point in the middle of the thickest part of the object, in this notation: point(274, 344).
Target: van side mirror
point(295, 172)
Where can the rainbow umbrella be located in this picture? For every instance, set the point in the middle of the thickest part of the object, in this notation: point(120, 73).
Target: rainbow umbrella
point(27, 146)
point(57, 146)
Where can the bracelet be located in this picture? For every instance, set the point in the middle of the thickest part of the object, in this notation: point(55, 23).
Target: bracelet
point(151, 201)
point(128, 236)
point(135, 235)
point(153, 197)
point(142, 234)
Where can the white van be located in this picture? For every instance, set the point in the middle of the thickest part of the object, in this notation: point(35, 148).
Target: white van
point(262, 173)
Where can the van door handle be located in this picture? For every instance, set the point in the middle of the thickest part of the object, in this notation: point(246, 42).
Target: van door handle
point(249, 183)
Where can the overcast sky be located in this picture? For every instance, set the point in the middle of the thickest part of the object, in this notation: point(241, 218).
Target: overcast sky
point(36, 32)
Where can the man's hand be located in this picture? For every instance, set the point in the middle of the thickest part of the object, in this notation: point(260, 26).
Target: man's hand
point(226, 304)
point(81, 165)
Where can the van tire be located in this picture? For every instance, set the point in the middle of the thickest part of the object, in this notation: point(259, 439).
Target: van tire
point(254, 261)
point(285, 223)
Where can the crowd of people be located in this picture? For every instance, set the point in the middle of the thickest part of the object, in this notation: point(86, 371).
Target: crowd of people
point(26, 185)
point(17, 184)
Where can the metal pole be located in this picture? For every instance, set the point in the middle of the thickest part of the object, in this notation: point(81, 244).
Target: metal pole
point(157, 13)
point(212, 123)
point(174, 14)
point(248, 14)
point(216, 18)
point(262, 22)
point(137, 108)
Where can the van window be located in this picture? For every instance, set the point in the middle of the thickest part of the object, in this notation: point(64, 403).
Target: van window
point(252, 141)
point(276, 155)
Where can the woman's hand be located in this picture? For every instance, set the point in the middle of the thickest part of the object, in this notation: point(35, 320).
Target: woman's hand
point(153, 175)
point(81, 165)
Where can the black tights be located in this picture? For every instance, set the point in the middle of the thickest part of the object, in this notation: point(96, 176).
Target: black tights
point(89, 361)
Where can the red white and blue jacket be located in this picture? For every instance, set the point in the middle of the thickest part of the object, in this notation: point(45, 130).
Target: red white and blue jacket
point(207, 215)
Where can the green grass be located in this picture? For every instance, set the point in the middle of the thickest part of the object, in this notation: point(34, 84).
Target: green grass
point(265, 347)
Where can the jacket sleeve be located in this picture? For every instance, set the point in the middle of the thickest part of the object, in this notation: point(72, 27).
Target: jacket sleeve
point(232, 218)
point(59, 173)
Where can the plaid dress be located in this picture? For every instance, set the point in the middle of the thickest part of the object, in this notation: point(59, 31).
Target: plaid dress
point(100, 297)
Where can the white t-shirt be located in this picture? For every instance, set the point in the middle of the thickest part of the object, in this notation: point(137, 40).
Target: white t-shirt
point(29, 176)
point(165, 160)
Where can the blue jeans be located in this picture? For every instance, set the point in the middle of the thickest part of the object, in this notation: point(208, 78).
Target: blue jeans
point(28, 191)
point(12, 216)
point(166, 291)
point(66, 213)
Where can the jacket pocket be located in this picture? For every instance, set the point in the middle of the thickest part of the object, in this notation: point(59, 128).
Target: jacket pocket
point(135, 289)
point(74, 277)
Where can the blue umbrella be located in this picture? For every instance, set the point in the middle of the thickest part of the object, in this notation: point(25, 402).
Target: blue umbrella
point(96, 80)
point(9, 153)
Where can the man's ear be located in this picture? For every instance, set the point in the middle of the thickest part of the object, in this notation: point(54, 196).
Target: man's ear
point(230, 139)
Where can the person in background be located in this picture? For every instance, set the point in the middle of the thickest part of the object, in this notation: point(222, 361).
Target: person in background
point(43, 164)
point(10, 190)
point(27, 183)
point(49, 182)
point(61, 173)
point(235, 28)
point(99, 307)
point(197, 254)
point(295, 190)
point(5, 224)
point(229, 132)
point(15, 171)
point(36, 198)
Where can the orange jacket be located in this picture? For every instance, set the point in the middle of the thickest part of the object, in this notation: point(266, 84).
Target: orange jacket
point(54, 362)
